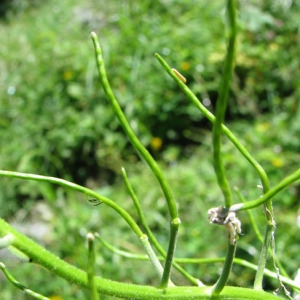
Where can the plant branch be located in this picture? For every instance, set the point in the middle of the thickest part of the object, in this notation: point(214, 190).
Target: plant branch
point(20, 286)
point(270, 194)
point(259, 169)
point(143, 152)
point(222, 105)
point(220, 284)
point(123, 213)
point(151, 236)
point(72, 274)
point(91, 266)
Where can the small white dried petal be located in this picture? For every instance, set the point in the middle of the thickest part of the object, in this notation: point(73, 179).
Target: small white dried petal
point(221, 216)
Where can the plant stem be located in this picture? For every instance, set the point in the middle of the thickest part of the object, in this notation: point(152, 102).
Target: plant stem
point(222, 105)
point(151, 236)
point(262, 258)
point(72, 274)
point(20, 286)
point(142, 151)
point(170, 254)
point(270, 194)
point(217, 138)
point(259, 235)
point(259, 169)
point(220, 284)
point(123, 213)
point(91, 267)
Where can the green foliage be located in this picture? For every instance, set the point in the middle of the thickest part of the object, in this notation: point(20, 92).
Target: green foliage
point(63, 99)
point(53, 121)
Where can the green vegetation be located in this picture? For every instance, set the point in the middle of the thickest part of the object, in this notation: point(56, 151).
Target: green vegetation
point(56, 121)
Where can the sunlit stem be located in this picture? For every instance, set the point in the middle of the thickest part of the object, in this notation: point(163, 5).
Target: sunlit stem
point(143, 152)
point(222, 105)
point(151, 236)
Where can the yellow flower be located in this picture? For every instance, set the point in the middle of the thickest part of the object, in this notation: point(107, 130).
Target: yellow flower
point(185, 66)
point(262, 127)
point(277, 162)
point(67, 75)
point(156, 143)
point(55, 297)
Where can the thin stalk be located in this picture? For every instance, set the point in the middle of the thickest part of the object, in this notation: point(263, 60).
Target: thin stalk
point(259, 169)
point(262, 259)
point(91, 267)
point(142, 152)
point(217, 138)
point(151, 236)
point(222, 105)
point(220, 284)
point(170, 254)
point(154, 259)
point(123, 213)
point(270, 194)
point(259, 235)
point(238, 261)
point(20, 286)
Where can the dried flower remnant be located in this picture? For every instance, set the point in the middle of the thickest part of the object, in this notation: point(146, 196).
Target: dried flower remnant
point(222, 216)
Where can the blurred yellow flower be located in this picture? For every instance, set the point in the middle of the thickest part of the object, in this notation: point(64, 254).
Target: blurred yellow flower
point(261, 127)
point(156, 143)
point(185, 66)
point(274, 47)
point(67, 75)
point(277, 162)
point(55, 297)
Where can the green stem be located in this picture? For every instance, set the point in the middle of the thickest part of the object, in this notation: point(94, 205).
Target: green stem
point(270, 194)
point(128, 130)
point(262, 258)
point(217, 138)
point(72, 274)
point(222, 105)
point(141, 150)
point(20, 286)
point(259, 169)
point(151, 236)
point(238, 261)
point(170, 254)
point(91, 267)
point(258, 234)
point(220, 284)
point(123, 213)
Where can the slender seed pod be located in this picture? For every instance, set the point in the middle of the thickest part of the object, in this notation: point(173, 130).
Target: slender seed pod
point(182, 78)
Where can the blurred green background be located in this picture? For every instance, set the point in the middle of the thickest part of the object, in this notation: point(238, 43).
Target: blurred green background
point(56, 121)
